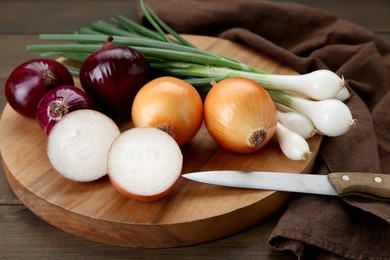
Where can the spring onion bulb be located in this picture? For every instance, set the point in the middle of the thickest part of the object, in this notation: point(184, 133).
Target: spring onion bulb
point(331, 116)
point(343, 94)
point(319, 84)
point(297, 123)
point(293, 146)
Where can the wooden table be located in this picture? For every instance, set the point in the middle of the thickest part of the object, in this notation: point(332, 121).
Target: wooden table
point(22, 234)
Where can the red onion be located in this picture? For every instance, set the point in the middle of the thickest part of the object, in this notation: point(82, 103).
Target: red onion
point(31, 80)
point(112, 76)
point(58, 102)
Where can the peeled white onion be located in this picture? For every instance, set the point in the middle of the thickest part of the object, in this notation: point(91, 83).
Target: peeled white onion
point(144, 163)
point(78, 145)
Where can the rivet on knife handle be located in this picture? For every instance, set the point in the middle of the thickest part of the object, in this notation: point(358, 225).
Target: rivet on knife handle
point(369, 185)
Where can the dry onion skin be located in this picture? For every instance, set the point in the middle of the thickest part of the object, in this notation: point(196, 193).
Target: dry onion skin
point(78, 145)
point(169, 104)
point(240, 115)
point(144, 164)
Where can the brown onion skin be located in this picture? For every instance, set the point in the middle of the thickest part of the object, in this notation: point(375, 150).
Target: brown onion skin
point(68, 98)
point(31, 80)
point(112, 76)
point(171, 105)
point(240, 115)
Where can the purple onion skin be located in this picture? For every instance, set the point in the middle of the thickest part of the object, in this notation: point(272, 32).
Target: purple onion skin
point(112, 76)
point(60, 101)
point(31, 80)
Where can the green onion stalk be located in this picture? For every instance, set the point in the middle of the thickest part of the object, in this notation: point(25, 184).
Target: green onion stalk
point(171, 54)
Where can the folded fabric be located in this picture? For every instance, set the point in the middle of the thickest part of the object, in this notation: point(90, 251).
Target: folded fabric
point(307, 39)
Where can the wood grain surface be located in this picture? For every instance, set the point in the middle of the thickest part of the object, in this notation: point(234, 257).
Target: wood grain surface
point(191, 214)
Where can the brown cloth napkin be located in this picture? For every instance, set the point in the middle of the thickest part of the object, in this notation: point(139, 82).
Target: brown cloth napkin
point(307, 39)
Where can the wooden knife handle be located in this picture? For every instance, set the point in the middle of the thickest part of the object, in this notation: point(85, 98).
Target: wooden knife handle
point(364, 184)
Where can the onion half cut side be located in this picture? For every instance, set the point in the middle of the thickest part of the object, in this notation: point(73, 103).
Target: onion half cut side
point(78, 145)
point(144, 163)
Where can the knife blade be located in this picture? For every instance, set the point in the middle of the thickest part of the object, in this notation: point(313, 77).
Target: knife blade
point(369, 185)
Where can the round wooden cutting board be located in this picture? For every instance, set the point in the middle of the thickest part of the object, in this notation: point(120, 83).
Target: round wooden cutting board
point(191, 214)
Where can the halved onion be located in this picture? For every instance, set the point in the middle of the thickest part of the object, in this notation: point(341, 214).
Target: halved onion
point(78, 145)
point(144, 163)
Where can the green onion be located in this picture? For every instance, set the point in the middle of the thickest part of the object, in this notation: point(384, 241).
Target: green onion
point(170, 54)
point(173, 55)
point(134, 41)
point(108, 29)
point(84, 30)
point(71, 48)
point(321, 84)
point(154, 22)
point(158, 23)
point(137, 28)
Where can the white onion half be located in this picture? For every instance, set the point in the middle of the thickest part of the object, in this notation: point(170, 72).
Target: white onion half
point(144, 163)
point(78, 145)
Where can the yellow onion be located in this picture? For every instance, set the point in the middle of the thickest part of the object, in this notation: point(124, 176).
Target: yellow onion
point(169, 104)
point(240, 115)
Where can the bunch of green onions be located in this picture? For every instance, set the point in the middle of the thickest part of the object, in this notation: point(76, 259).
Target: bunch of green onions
point(171, 54)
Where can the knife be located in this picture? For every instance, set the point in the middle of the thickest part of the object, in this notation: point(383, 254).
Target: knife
point(369, 185)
